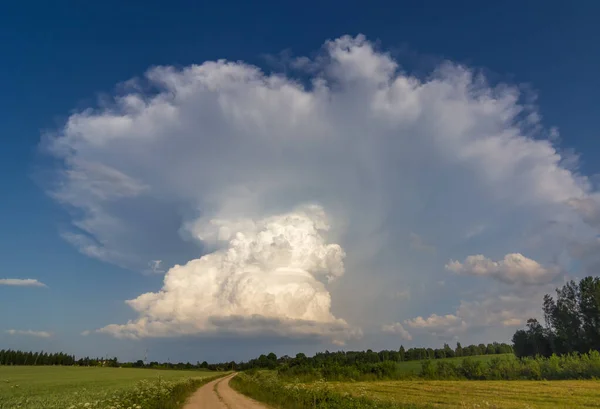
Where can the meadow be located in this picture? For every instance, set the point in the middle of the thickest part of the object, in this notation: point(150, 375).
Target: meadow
point(54, 387)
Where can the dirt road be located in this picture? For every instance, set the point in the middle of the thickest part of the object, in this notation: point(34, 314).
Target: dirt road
point(219, 395)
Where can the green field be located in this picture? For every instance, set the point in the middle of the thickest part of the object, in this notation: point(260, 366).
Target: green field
point(414, 367)
point(29, 387)
point(480, 394)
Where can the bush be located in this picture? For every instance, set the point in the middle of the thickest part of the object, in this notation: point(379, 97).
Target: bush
point(428, 369)
point(472, 369)
point(447, 370)
point(531, 369)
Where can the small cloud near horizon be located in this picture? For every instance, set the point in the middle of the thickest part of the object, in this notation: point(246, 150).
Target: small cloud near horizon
point(22, 282)
point(39, 334)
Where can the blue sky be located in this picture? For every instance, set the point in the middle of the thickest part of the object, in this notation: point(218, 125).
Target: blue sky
point(60, 58)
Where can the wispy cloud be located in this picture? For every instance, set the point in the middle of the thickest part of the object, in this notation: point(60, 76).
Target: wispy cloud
point(154, 267)
point(31, 333)
point(419, 243)
point(397, 328)
point(22, 282)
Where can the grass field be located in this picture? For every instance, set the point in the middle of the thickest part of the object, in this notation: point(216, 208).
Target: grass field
point(480, 394)
point(414, 367)
point(28, 387)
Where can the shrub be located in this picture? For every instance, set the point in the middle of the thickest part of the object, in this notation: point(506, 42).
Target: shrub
point(472, 369)
point(447, 370)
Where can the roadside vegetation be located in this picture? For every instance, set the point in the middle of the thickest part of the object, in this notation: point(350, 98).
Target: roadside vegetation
point(267, 387)
point(102, 388)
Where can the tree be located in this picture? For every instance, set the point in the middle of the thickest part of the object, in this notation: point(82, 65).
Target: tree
point(448, 352)
point(589, 307)
point(572, 322)
point(459, 350)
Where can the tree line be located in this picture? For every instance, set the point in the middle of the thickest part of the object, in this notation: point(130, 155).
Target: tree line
point(572, 323)
point(345, 358)
point(270, 361)
point(12, 357)
point(17, 357)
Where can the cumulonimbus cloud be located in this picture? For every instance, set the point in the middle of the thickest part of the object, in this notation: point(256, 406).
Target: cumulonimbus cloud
point(268, 275)
point(183, 161)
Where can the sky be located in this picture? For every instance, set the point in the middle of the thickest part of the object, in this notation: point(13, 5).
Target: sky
point(197, 181)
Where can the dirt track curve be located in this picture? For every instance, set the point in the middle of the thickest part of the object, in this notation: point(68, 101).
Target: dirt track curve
point(219, 395)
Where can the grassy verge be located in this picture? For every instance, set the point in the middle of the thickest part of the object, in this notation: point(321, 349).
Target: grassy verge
point(266, 388)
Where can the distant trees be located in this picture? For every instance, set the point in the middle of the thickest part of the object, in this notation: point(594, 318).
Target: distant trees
point(15, 357)
point(360, 364)
point(572, 322)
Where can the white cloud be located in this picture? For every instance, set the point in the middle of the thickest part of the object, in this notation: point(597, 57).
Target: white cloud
point(434, 321)
point(266, 276)
point(213, 149)
point(589, 208)
point(397, 328)
point(21, 282)
point(475, 230)
point(513, 269)
point(39, 334)
point(513, 322)
point(489, 311)
point(155, 267)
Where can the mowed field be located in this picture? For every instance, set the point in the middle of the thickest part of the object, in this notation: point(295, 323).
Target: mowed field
point(480, 394)
point(477, 394)
point(29, 387)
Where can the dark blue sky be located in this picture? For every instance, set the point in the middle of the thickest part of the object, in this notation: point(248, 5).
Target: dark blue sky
point(57, 56)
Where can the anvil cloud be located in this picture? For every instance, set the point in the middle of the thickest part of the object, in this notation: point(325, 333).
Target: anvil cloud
point(292, 203)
